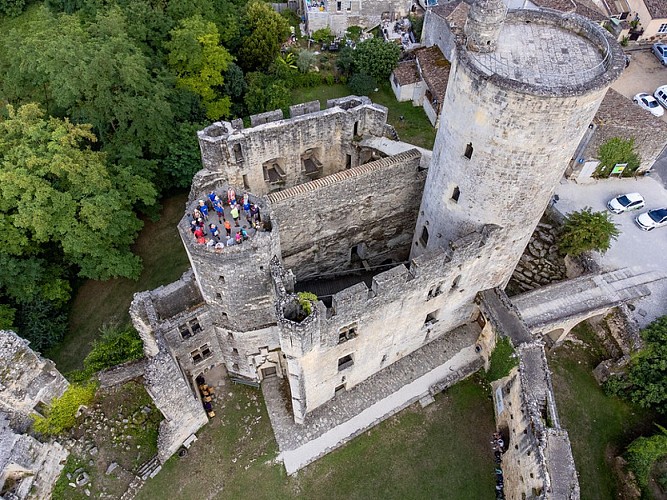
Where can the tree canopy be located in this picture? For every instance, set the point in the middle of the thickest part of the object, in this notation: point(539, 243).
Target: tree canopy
point(266, 31)
point(61, 205)
point(200, 61)
point(376, 58)
point(615, 151)
point(586, 230)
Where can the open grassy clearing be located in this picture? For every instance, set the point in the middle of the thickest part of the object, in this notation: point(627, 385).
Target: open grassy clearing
point(600, 427)
point(100, 302)
point(441, 451)
point(414, 128)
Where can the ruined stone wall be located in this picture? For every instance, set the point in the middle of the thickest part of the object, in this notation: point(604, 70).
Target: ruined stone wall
point(241, 349)
point(239, 155)
point(404, 309)
point(372, 208)
point(31, 466)
point(26, 379)
point(365, 13)
point(174, 397)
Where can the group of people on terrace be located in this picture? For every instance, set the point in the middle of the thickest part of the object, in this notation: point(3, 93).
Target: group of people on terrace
point(228, 210)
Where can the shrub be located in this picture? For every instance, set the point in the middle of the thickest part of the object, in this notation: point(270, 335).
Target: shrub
point(116, 346)
point(376, 58)
point(586, 230)
point(502, 360)
point(615, 151)
point(305, 60)
point(306, 300)
point(322, 35)
point(61, 413)
point(362, 84)
point(644, 452)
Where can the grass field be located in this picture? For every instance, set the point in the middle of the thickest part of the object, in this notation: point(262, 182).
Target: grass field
point(414, 128)
point(440, 451)
point(99, 302)
point(600, 427)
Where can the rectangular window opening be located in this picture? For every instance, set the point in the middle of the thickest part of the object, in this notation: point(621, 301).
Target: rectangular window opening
point(339, 5)
point(238, 153)
point(469, 149)
point(246, 184)
point(340, 388)
point(347, 333)
point(434, 292)
point(345, 362)
point(455, 194)
point(221, 279)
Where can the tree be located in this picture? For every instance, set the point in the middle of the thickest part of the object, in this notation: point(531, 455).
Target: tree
point(306, 60)
point(265, 93)
point(266, 31)
point(183, 159)
point(615, 151)
point(362, 84)
point(199, 62)
point(586, 230)
point(345, 60)
point(647, 374)
point(59, 198)
point(93, 73)
point(235, 88)
point(376, 58)
point(11, 8)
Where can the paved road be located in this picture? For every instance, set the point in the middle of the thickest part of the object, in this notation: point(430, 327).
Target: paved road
point(644, 251)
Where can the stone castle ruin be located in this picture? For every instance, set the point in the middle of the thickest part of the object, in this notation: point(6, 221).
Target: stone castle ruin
point(28, 383)
point(408, 251)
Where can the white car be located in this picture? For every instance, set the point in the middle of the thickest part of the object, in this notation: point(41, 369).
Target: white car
point(661, 95)
point(649, 103)
point(648, 221)
point(625, 203)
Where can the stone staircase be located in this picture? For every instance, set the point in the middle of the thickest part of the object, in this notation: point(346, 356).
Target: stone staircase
point(147, 470)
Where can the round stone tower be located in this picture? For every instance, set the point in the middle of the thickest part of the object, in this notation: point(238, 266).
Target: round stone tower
point(510, 122)
point(482, 28)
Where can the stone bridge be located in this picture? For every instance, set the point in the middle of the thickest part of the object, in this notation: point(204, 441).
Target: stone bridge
point(553, 310)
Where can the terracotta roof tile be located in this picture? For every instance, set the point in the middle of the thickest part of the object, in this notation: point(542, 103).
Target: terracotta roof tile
point(657, 8)
point(406, 73)
point(435, 70)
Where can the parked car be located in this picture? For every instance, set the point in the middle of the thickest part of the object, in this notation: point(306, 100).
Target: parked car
point(660, 51)
point(648, 102)
point(648, 221)
point(626, 203)
point(661, 95)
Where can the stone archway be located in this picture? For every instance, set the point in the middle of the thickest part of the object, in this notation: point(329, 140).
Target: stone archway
point(557, 335)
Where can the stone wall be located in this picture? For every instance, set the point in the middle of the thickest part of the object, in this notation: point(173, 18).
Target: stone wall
point(371, 208)
point(242, 155)
point(26, 379)
point(403, 310)
point(28, 468)
point(365, 13)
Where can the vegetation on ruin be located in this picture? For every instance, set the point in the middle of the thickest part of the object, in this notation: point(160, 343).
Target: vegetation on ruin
point(643, 454)
point(116, 345)
point(503, 359)
point(645, 379)
point(306, 301)
point(585, 231)
point(600, 426)
point(431, 452)
point(617, 151)
point(61, 413)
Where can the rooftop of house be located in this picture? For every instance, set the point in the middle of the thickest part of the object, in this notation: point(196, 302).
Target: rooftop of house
point(406, 73)
point(621, 112)
point(561, 5)
point(657, 8)
point(435, 70)
point(455, 13)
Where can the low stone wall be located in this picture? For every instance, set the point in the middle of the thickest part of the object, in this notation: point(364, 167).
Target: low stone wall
point(120, 374)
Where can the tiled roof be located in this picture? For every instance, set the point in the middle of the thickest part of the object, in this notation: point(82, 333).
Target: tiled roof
point(620, 111)
point(562, 5)
point(588, 9)
point(454, 12)
point(435, 70)
point(657, 8)
point(406, 73)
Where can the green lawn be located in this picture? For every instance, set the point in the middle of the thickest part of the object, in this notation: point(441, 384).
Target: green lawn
point(600, 427)
point(414, 128)
point(441, 451)
point(99, 302)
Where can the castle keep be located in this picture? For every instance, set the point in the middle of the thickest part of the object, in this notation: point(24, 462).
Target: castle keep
point(396, 241)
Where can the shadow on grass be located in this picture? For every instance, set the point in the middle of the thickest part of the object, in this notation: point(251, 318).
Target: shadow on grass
point(600, 427)
point(441, 451)
point(100, 302)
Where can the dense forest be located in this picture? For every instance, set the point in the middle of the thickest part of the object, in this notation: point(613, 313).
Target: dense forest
point(100, 101)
